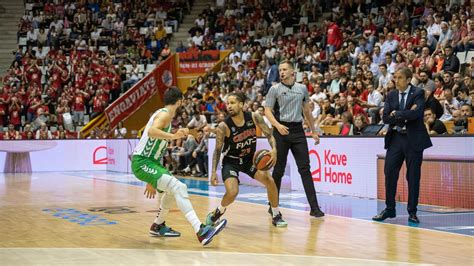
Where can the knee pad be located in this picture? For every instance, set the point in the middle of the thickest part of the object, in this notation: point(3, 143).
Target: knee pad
point(181, 189)
point(172, 185)
point(166, 201)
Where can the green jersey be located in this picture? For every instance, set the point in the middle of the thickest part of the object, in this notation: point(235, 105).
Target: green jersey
point(150, 147)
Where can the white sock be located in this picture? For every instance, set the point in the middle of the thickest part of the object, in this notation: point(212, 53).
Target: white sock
point(193, 220)
point(161, 216)
point(221, 208)
point(275, 211)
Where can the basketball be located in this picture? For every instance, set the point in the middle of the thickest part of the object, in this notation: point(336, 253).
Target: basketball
point(260, 160)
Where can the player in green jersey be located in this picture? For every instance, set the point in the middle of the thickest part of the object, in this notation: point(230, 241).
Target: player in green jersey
point(146, 165)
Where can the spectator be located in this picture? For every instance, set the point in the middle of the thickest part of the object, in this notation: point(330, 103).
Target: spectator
point(134, 134)
point(432, 103)
point(200, 154)
point(11, 133)
point(185, 157)
point(360, 123)
point(451, 61)
point(464, 98)
point(374, 104)
point(460, 122)
point(198, 121)
point(43, 133)
point(347, 126)
point(334, 36)
point(120, 131)
point(433, 126)
point(450, 104)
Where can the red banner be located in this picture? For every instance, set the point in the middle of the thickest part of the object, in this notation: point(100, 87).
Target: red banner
point(197, 62)
point(156, 81)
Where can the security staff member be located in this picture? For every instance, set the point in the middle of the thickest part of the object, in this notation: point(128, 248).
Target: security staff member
point(284, 105)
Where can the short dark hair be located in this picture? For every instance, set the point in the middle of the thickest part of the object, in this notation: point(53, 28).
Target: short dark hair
point(468, 105)
point(428, 73)
point(406, 72)
point(288, 62)
point(240, 96)
point(172, 96)
point(464, 90)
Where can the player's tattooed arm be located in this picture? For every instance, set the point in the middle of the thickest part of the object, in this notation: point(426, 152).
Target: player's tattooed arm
point(220, 136)
point(267, 132)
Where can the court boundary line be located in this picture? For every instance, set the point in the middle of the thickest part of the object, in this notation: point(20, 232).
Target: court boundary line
point(222, 252)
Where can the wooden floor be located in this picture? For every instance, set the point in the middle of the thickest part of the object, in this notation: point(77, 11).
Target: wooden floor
point(31, 234)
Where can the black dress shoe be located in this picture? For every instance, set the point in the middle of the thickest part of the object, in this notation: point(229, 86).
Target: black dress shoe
point(384, 215)
point(412, 218)
point(316, 213)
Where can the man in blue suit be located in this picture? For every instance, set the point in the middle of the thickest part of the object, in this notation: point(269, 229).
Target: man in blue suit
point(406, 139)
point(272, 77)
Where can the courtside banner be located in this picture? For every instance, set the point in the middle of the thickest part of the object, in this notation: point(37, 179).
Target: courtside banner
point(119, 154)
point(198, 62)
point(26, 156)
point(348, 166)
point(156, 81)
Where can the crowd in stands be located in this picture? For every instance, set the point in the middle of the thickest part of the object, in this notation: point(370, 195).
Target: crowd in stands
point(345, 52)
point(76, 57)
point(347, 60)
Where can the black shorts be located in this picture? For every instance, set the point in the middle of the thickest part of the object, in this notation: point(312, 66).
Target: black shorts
point(232, 167)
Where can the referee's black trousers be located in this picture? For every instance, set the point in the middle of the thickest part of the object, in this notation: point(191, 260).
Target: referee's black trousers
point(296, 141)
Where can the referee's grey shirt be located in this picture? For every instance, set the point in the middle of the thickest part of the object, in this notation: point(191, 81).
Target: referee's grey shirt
point(287, 102)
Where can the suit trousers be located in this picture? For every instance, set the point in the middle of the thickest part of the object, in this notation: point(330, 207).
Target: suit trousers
point(296, 142)
point(399, 150)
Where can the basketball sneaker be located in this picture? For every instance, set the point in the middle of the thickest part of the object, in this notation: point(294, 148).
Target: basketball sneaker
point(208, 232)
point(214, 216)
point(163, 230)
point(278, 221)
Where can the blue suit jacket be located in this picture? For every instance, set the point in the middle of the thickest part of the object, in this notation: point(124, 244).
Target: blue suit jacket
point(274, 75)
point(411, 117)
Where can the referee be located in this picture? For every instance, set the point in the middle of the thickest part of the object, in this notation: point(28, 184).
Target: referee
point(285, 104)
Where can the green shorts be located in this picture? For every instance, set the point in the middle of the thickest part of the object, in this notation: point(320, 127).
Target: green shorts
point(148, 170)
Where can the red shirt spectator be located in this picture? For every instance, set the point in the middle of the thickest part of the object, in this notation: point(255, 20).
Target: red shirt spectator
point(2, 115)
point(15, 117)
point(27, 128)
point(98, 102)
point(78, 102)
point(33, 103)
point(34, 75)
point(3, 99)
point(334, 35)
point(11, 133)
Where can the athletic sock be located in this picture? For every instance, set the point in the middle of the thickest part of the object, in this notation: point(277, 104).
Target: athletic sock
point(193, 220)
point(161, 216)
point(221, 208)
point(275, 211)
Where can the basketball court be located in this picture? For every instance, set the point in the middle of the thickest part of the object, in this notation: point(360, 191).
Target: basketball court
point(101, 217)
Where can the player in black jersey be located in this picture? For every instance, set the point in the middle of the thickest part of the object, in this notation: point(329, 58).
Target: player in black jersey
point(236, 138)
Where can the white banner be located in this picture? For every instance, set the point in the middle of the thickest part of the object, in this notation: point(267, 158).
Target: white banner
point(119, 154)
point(52, 155)
point(348, 166)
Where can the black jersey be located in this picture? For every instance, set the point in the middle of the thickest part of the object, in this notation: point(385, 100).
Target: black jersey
point(242, 142)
